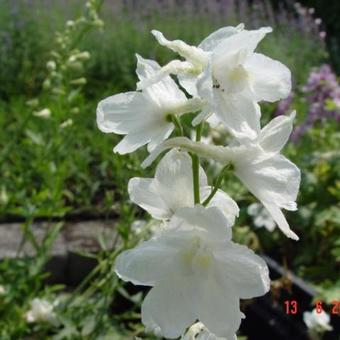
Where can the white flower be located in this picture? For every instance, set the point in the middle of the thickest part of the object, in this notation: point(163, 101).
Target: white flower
point(262, 217)
point(269, 176)
point(144, 117)
point(225, 72)
point(138, 226)
point(41, 311)
point(144, 229)
point(199, 332)
point(318, 322)
point(2, 290)
point(196, 272)
point(51, 65)
point(66, 123)
point(172, 189)
point(44, 113)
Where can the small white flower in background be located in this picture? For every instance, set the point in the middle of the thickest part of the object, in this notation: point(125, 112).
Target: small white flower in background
point(196, 272)
point(44, 113)
point(51, 65)
point(3, 195)
point(225, 72)
point(66, 123)
point(2, 290)
point(199, 332)
point(41, 311)
point(138, 226)
point(269, 176)
point(144, 117)
point(317, 322)
point(172, 189)
point(261, 216)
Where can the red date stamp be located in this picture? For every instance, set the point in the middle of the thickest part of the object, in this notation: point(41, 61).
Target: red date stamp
point(292, 307)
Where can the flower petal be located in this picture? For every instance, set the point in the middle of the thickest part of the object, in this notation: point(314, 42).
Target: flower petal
point(271, 80)
point(240, 115)
point(143, 191)
point(224, 202)
point(280, 219)
point(275, 134)
point(160, 134)
point(215, 38)
point(218, 307)
point(132, 142)
point(174, 180)
point(124, 112)
point(188, 82)
point(247, 272)
point(244, 40)
point(275, 182)
point(209, 220)
point(190, 53)
point(168, 307)
point(146, 264)
point(165, 92)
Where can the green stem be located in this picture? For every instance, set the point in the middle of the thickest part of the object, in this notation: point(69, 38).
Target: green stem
point(218, 183)
point(177, 124)
point(196, 168)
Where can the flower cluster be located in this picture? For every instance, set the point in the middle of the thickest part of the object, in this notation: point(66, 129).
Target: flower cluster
point(65, 69)
point(322, 91)
point(194, 268)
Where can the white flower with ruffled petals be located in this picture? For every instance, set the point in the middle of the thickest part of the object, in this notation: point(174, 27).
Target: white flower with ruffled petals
point(196, 272)
point(144, 117)
point(229, 76)
point(269, 176)
point(172, 189)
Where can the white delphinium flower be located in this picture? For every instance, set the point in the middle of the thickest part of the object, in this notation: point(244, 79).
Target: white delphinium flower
point(172, 189)
point(261, 216)
point(225, 72)
point(317, 323)
point(196, 272)
point(269, 176)
point(199, 332)
point(41, 311)
point(144, 117)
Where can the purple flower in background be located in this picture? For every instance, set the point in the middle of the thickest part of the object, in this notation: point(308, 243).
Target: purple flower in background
point(284, 105)
point(322, 91)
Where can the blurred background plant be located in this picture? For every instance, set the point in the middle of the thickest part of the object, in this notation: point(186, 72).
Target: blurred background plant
point(55, 164)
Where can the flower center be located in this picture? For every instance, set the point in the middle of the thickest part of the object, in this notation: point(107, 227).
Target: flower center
point(197, 257)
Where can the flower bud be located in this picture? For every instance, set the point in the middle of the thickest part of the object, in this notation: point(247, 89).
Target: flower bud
point(66, 123)
point(70, 23)
point(79, 81)
point(46, 84)
point(51, 65)
point(33, 102)
point(44, 113)
point(75, 110)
